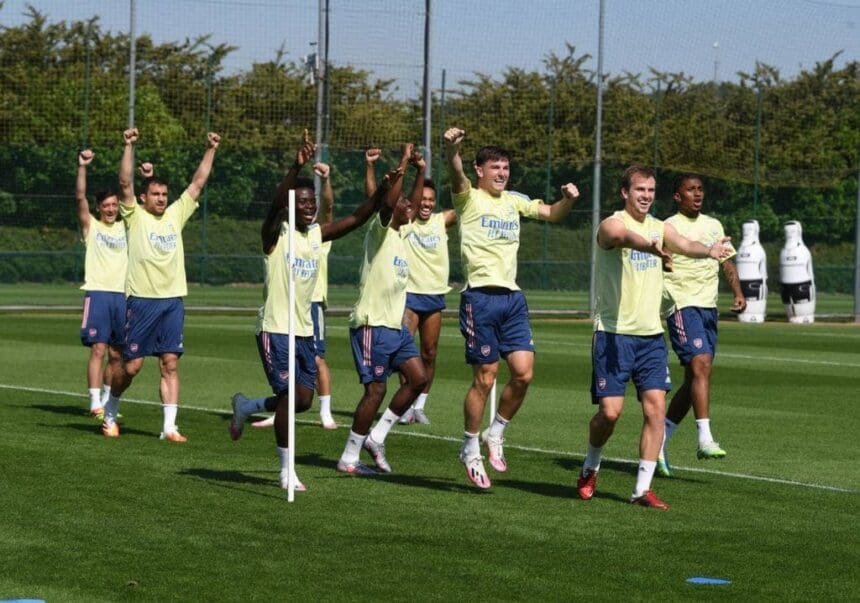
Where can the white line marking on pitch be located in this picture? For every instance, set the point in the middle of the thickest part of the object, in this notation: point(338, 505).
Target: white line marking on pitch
point(772, 480)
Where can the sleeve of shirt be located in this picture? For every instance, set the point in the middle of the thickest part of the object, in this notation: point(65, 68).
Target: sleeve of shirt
point(460, 200)
point(185, 206)
point(126, 211)
point(527, 207)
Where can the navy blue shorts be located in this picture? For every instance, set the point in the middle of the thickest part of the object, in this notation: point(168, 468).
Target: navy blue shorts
point(693, 331)
point(318, 318)
point(153, 327)
point(616, 359)
point(425, 303)
point(494, 322)
point(274, 351)
point(103, 319)
point(379, 351)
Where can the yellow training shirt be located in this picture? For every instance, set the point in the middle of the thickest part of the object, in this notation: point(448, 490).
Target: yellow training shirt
point(321, 290)
point(490, 235)
point(693, 281)
point(428, 256)
point(630, 283)
point(384, 274)
point(106, 260)
point(156, 256)
point(275, 314)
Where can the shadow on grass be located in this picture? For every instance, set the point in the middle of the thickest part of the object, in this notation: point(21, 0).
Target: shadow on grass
point(235, 480)
point(227, 475)
point(441, 485)
point(65, 409)
point(415, 481)
point(95, 428)
point(575, 466)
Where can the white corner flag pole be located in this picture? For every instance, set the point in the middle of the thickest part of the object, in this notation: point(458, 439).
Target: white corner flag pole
point(291, 350)
point(493, 402)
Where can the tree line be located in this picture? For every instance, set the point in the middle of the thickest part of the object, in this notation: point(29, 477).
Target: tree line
point(64, 85)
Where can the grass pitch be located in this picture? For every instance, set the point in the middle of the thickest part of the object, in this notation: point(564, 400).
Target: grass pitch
point(89, 519)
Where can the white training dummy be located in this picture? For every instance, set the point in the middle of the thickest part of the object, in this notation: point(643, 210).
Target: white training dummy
point(797, 283)
point(752, 273)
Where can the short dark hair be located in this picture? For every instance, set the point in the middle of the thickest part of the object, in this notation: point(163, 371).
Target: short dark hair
point(147, 182)
point(634, 170)
point(429, 184)
point(304, 182)
point(491, 153)
point(680, 179)
point(102, 195)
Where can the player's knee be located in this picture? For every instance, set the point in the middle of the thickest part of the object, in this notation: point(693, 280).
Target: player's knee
point(419, 382)
point(428, 355)
point(523, 379)
point(610, 414)
point(483, 382)
point(98, 351)
point(132, 367)
point(700, 366)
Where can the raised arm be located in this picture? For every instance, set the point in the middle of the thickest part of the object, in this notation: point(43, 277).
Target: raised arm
point(453, 140)
point(338, 228)
point(84, 159)
point(325, 213)
point(417, 161)
point(371, 156)
point(198, 181)
point(731, 272)
point(304, 153)
point(681, 244)
point(272, 223)
point(559, 210)
point(392, 194)
point(126, 167)
point(396, 190)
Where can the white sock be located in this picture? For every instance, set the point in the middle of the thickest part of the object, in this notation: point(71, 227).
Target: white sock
point(703, 427)
point(471, 446)
point(250, 406)
point(420, 401)
point(353, 447)
point(284, 457)
point(95, 398)
point(593, 455)
point(325, 406)
point(170, 411)
point(105, 394)
point(497, 427)
point(383, 426)
point(111, 409)
point(644, 477)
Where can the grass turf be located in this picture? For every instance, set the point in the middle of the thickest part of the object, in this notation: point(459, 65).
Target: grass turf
point(89, 519)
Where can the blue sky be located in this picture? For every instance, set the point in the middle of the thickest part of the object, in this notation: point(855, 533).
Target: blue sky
point(699, 37)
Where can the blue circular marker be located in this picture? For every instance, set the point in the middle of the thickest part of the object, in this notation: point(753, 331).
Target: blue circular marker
point(709, 581)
